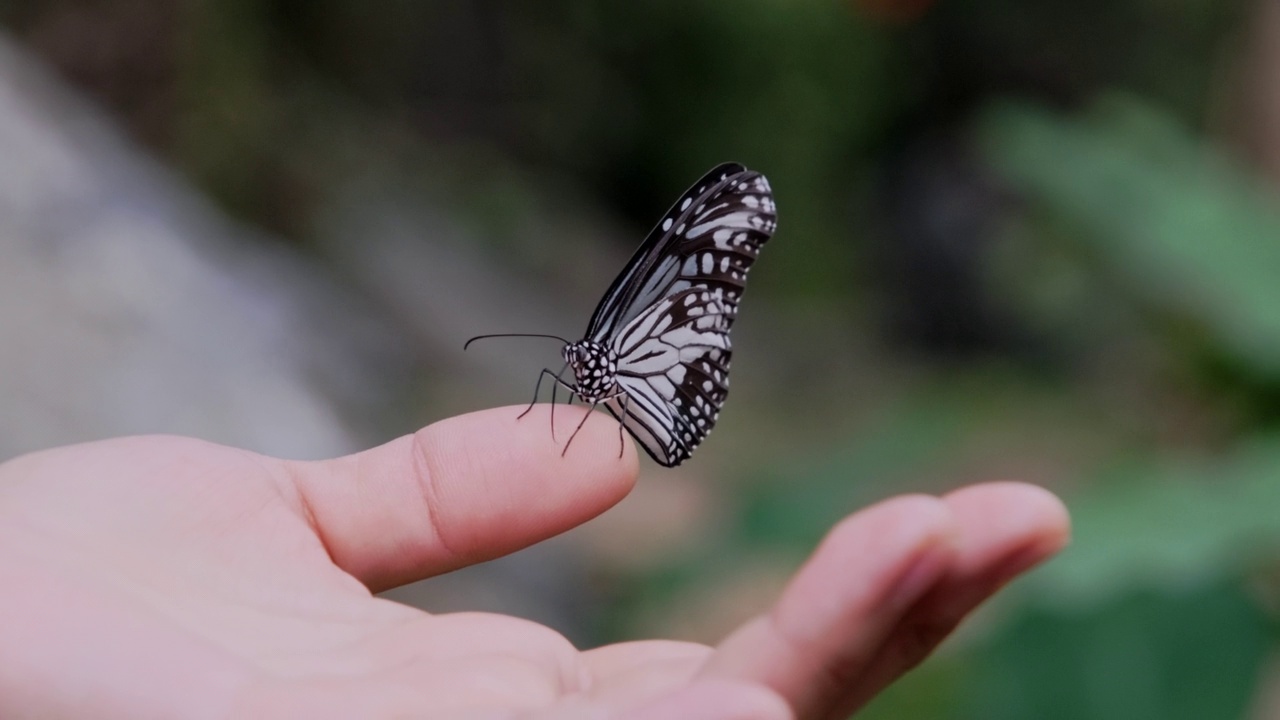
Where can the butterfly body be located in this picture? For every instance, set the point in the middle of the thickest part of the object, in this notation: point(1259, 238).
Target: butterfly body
point(656, 351)
point(595, 370)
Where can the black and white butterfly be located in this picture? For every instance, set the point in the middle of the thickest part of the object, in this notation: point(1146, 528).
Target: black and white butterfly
point(656, 352)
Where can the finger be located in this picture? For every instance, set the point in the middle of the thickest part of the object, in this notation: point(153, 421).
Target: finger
point(715, 700)
point(461, 491)
point(836, 612)
point(627, 674)
point(1003, 530)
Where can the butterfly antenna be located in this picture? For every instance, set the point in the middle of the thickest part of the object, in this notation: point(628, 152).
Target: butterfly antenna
point(502, 335)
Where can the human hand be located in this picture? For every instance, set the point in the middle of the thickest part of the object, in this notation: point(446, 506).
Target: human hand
point(165, 577)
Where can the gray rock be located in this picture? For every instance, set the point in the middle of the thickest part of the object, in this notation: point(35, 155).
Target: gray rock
point(128, 304)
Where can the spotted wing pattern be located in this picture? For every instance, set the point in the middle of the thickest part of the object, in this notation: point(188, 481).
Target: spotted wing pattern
point(668, 315)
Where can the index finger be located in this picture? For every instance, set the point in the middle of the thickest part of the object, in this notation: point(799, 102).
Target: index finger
point(463, 490)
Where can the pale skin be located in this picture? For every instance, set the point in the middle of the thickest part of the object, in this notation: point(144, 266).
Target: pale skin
point(165, 577)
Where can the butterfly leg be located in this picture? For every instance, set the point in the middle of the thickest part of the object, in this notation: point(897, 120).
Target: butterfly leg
point(554, 386)
point(575, 431)
point(558, 382)
point(621, 424)
point(538, 388)
point(573, 391)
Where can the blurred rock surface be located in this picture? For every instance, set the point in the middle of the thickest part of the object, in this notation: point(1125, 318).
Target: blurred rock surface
point(129, 305)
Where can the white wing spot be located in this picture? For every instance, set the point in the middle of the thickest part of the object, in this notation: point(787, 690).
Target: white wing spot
point(685, 205)
point(666, 225)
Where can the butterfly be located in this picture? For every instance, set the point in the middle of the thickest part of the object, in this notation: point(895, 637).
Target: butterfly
point(656, 351)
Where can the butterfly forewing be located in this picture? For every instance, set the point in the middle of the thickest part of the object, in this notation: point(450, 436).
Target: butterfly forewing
point(621, 301)
point(668, 315)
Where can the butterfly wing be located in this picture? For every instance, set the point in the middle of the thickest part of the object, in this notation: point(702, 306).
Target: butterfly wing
point(668, 315)
point(623, 300)
point(674, 368)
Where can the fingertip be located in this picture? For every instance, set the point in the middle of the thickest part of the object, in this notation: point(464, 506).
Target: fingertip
point(463, 490)
point(1003, 530)
point(583, 442)
point(1015, 510)
point(899, 526)
point(840, 605)
point(501, 442)
point(874, 562)
point(926, 512)
point(500, 481)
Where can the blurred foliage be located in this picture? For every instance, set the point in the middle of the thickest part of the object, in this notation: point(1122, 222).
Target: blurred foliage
point(1158, 209)
point(1180, 655)
point(1187, 655)
point(1014, 242)
point(1170, 522)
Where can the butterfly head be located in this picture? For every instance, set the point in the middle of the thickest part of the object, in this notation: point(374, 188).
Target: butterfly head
point(595, 369)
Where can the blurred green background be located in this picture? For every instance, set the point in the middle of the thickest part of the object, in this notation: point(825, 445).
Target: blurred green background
point(1016, 240)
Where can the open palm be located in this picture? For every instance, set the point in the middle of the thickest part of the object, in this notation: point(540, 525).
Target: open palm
point(164, 577)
